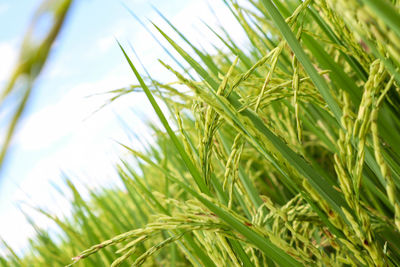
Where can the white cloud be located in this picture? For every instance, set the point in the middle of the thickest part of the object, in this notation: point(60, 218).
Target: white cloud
point(105, 43)
point(48, 125)
point(14, 229)
point(108, 40)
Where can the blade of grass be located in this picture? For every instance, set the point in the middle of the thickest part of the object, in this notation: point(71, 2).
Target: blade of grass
point(191, 168)
point(386, 12)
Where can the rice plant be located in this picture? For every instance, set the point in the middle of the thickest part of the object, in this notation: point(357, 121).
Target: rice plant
point(32, 58)
point(285, 153)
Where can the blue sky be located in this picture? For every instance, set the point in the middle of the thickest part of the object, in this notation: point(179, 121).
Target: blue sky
point(59, 131)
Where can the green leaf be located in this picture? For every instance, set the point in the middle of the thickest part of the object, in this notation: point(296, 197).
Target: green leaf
point(386, 12)
point(294, 44)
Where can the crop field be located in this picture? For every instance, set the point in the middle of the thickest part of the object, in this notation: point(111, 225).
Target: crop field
point(283, 153)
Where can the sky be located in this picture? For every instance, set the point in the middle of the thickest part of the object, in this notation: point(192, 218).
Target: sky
point(62, 130)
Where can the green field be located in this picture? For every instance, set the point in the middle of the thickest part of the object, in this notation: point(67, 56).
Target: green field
point(282, 153)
